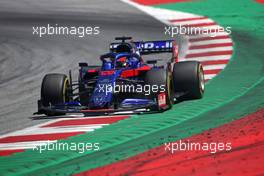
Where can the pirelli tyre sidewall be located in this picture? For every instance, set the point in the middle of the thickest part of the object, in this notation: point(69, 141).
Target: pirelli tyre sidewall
point(160, 77)
point(54, 89)
point(188, 80)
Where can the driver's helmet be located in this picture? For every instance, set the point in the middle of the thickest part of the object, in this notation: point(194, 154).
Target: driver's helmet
point(121, 62)
point(123, 48)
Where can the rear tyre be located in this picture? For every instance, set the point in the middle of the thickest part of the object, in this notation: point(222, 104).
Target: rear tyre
point(54, 90)
point(188, 79)
point(162, 79)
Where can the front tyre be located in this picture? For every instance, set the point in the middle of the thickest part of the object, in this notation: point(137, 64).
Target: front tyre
point(188, 79)
point(54, 90)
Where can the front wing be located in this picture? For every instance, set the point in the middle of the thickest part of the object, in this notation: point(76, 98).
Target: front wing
point(65, 109)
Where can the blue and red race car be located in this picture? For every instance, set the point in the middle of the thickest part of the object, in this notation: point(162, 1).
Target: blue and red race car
point(124, 83)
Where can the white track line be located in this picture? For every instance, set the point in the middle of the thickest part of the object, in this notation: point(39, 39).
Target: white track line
point(208, 35)
point(210, 58)
point(209, 76)
point(206, 42)
point(36, 127)
point(224, 48)
point(212, 67)
point(192, 22)
point(60, 129)
point(24, 145)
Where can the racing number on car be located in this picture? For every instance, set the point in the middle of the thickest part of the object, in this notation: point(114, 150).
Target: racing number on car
point(162, 99)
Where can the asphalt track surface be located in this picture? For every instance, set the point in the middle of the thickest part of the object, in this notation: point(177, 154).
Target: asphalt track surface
point(25, 58)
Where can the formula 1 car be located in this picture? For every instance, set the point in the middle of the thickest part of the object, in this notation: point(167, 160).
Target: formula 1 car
point(124, 83)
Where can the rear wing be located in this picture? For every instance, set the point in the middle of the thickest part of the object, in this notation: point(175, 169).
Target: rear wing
point(153, 47)
point(149, 47)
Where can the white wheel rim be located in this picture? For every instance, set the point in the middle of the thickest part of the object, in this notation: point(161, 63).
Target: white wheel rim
point(201, 75)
